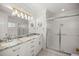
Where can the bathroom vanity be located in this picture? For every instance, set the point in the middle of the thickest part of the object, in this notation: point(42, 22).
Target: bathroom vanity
point(25, 46)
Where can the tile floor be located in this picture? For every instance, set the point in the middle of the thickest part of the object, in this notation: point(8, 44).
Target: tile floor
point(49, 52)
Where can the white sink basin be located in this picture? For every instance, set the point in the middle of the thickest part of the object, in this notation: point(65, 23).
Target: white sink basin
point(15, 42)
point(23, 39)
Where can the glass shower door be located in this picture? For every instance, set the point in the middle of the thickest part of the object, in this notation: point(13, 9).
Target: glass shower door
point(63, 34)
point(53, 35)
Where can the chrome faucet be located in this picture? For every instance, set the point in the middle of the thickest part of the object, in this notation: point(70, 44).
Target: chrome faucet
point(7, 38)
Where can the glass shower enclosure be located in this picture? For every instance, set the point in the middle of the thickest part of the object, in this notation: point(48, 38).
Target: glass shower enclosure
point(63, 34)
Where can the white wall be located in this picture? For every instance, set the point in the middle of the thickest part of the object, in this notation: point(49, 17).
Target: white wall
point(39, 25)
point(42, 29)
point(3, 24)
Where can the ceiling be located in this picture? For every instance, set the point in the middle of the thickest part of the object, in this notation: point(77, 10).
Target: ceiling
point(52, 8)
point(56, 7)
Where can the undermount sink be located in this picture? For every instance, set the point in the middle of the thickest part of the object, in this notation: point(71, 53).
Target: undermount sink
point(23, 39)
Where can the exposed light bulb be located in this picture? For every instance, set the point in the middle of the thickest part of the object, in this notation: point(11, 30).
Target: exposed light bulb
point(14, 12)
point(18, 15)
point(28, 17)
point(25, 16)
point(22, 15)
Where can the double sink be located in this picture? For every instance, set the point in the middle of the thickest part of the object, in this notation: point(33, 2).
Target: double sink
point(16, 41)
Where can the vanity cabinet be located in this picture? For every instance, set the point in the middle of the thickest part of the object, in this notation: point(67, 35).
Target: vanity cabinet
point(10, 51)
point(37, 47)
point(7, 52)
point(30, 48)
point(26, 49)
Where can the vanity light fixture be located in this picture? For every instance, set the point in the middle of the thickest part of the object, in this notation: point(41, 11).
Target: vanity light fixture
point(8, 6)
point(21, 14)
point(14, 12)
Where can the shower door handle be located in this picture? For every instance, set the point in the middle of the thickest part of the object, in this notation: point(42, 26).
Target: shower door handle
point(60, 38)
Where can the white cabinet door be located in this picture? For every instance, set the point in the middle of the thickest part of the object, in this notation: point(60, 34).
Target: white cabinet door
point(13, 51)
point(7, 52)
point(40, 42)
point(25, 49)
point(17, 50)
point(37, 46)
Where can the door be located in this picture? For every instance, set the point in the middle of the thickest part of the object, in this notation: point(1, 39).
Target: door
point(63, 34)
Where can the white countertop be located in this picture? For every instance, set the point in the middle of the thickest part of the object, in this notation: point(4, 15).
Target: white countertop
point(15, 42)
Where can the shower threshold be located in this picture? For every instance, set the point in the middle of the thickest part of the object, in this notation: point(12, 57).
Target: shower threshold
point(63, 52)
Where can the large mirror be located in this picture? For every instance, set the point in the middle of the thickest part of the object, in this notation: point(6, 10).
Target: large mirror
point(23, 28)
point(17, 27)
